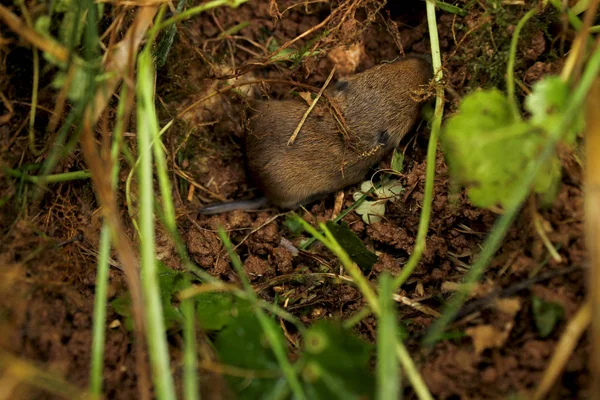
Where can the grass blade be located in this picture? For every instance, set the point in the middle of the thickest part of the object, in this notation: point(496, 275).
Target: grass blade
point(155, 327)
point(276, 345)
point(388, 372)
point(99, 323)
point(191, 390)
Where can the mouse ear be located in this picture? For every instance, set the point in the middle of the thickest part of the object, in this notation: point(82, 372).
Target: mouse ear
point(341, 85)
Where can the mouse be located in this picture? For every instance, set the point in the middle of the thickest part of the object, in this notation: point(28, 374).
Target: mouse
point(361, 119)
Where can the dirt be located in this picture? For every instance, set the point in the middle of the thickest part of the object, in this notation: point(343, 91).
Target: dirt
point(47, 285)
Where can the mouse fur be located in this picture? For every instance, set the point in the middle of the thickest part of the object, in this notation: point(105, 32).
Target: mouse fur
point(379, 109)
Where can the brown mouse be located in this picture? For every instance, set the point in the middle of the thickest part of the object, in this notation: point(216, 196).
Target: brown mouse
point(378, 107)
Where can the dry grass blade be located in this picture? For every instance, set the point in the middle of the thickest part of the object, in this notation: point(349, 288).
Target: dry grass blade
point(118, 60)
point(563, 350)
point(16, 372)
point(43, 43)
point(592, 220)
point(313, 104)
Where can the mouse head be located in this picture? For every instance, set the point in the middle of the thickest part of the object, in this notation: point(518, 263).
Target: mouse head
point(380, 104)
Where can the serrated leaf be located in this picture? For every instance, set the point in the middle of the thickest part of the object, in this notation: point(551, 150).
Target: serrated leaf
point(546, 315)
point(548, 96)
point(217, 309)
point(336, 363)
point(397, 161)
point(546, 103)
point(352, 245)
point(487, 149)
point(243, 344)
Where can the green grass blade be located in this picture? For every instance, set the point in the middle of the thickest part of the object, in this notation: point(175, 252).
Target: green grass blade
point(100, 298)
point(278, 347)
point(190, 12)
point(155, 327)
point(164, 46)
point(191, 389)
point(363, 285)
point(388, 371)
point(99, 322)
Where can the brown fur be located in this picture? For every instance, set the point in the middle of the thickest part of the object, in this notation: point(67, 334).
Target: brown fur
point(322, 160)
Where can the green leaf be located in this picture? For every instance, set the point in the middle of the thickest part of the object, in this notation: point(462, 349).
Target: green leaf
point(122, 306)
point(242, 344)
point(487, 149)
point(352, 245)
point(69, 24)
point(451, 8)
point(546, 315)
point(397, 161)
point(546, 103)
point(170, 282)
point(217, 309)
point(336, 363)
point(42, 25)
point(293, 224)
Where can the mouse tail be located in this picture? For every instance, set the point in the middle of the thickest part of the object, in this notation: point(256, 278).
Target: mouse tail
point(245, 205)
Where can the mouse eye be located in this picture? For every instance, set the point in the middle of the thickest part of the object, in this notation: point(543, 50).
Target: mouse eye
point(341, 85)
point(383, 137)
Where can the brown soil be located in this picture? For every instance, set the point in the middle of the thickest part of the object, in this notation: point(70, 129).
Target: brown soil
point(47, 284)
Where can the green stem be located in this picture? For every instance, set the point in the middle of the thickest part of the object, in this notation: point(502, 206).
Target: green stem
point(388, 371)
point(306, 244)
point(56, 178)
point(99, 323)
point(100, 298)
point(510, 68)
point(191, 388)
point(407, 363)
point(190, 12)
point(410, 370)
point(421, 241)
point(494, 240)
point(272, 336)
point(155, 327)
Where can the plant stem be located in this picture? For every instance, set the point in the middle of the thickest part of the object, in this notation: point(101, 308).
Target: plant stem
point(100, 297)
point(510, 68)
point(272, 336)
point(421, 240)
point(388, 371)
point(495, 238)
point(363, 285)
point(155, 327)
point(190, 12)
point(56, 178)
point(99, 322)
point(190, 360)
